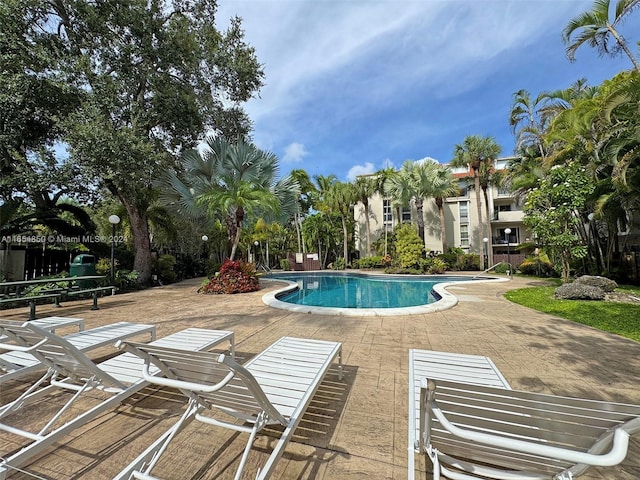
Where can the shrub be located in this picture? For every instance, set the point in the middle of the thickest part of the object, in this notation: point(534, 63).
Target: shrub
point(469, 261)
point(437, 266)
point(376, 261)
point(164, 268)
point(103, 266)
point(339, 264)
point(234, 277)
point(501, 268)
point(450, 259)
point(285, 264)
point(127, 281)
point(409, 247)
point(539, 265)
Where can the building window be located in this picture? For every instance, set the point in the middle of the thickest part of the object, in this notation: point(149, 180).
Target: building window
point(406, 214)
point(504, 208)
point(464, 235)
point(387, 211)
point(464, 212)
point(464, 189)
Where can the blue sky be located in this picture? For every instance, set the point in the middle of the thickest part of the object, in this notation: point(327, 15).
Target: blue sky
point(355, 85)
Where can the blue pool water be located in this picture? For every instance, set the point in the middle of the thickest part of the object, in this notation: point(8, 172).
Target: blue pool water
point(342, 290)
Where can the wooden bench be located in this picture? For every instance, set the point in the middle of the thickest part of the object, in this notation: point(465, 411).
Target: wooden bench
point(32, 301)
point(94, 293)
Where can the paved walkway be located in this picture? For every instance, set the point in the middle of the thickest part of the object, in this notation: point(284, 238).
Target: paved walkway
point(355, 429)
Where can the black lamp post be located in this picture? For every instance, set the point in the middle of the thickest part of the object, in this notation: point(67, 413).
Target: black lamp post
point(205, 256)
point(113, 220)
point(507, 232)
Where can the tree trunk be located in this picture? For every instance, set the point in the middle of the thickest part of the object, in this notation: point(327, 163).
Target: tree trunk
point(420, 214)
point(368, 225)
point(298, 235)
point(476, 186)
point(236, 241)
point(624, 47)
point(345, 234)
point(443, 230)
point(487, 229)
point(141, 244)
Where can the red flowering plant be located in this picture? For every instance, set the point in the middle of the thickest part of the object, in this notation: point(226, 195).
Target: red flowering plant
point(234, 277)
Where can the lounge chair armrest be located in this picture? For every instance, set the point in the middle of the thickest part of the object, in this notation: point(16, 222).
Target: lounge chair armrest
point(157, 379)
point(181, 384)
point(21, 348)
point(615, 455)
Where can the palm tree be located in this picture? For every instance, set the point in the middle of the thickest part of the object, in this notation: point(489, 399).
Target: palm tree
point(307, 189)
point(413, 182)
point(338, 199)
point(526, 120)
point(383, 178)
point(596, 29)
point(231, 181)
point(443, 185)
point(364, 188)
point(473, 152)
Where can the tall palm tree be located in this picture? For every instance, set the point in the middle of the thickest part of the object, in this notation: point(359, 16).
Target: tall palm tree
point(307, 189)
point(597, 29)
point(364, 187)
point(338, 199)
point(383, 178)
point(230, 181)
point(526, 120)
point(413, 182)
point(474, 152)
point(443, 185)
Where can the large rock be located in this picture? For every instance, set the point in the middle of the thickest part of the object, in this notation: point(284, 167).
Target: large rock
point(604, 283)
point(577, 291)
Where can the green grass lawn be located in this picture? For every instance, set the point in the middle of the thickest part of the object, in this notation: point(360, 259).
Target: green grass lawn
point(620, 318)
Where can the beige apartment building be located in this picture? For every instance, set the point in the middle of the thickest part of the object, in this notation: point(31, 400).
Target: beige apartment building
point(463, 229)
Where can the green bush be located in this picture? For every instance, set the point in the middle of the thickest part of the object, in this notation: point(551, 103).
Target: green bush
point(164, 268)
point(450, 259)
point(376, 261)
point(468, 261)
point(501, 268)
point(339, 264)
point(409, 247)
point(285, 264)
point(437, 266)
point(103, 266)
point(127, 281)
point(539, 265)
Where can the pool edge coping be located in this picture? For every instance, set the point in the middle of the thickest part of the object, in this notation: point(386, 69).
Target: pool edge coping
point(447, 300)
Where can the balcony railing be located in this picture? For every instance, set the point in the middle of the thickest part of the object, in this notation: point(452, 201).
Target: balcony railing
point(508, 216)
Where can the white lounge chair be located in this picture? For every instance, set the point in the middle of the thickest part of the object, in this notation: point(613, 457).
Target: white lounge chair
point(477, 428)
point(52, 324)
point(70, 370)
point(274, 387)
point(16, 362)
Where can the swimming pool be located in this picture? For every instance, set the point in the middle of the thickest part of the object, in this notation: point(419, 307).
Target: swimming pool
point(352, 293)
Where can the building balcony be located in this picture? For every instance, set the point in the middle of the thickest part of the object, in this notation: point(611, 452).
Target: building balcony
point(514, 216)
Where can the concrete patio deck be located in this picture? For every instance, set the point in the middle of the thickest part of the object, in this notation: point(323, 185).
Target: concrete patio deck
point(355, 428)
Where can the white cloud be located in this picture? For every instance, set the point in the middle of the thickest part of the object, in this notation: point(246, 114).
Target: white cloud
point(356, 170)
point(294, 152)
point(399, 78)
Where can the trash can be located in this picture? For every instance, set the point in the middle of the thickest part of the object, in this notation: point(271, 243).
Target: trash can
point(81, 266)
